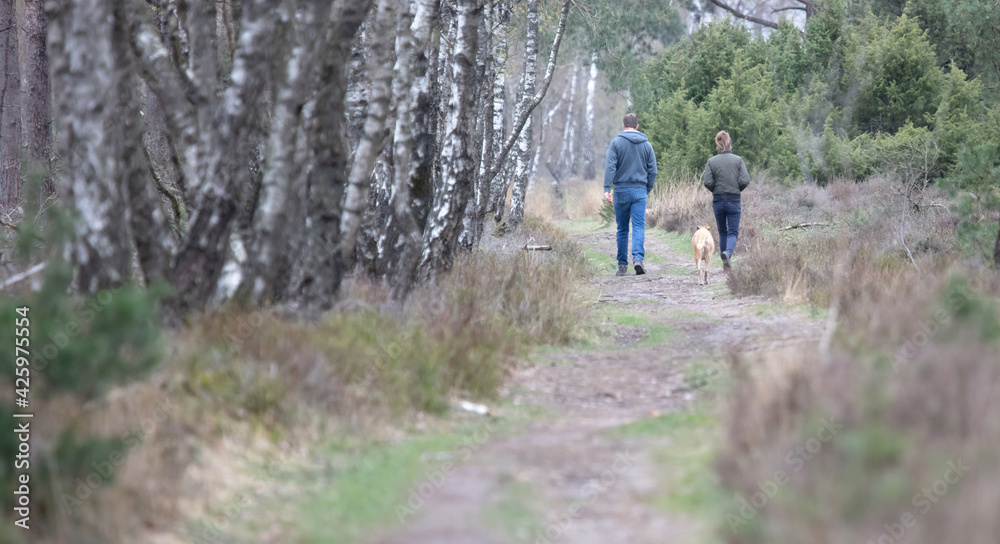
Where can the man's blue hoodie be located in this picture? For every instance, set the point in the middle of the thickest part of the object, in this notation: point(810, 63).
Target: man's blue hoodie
point(630, 162)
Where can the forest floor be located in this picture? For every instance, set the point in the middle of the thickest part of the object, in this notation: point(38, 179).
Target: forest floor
point(619, 446)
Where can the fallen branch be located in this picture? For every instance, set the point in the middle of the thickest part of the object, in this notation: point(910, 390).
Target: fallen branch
point(26, 274)
point(537, 248)
point(8, 225)
point(806, 225)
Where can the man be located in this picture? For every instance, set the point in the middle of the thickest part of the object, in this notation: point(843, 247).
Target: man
point(630, 168)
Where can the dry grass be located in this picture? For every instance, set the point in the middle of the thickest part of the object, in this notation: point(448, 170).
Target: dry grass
point(581, 199)
point(247, 384)
point(911, 376)
point(680, 206)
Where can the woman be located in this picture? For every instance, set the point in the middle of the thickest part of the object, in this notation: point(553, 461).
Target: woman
point(726, 176)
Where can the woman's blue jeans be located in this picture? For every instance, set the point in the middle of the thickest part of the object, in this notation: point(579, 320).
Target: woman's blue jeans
point(727, 218)
point(630, 205)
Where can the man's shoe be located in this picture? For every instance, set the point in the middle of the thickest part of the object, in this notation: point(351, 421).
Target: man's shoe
point(622, 270)
point(639, 269)
point(725, 260)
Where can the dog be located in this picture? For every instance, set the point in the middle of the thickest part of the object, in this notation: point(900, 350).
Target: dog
point(704, 246)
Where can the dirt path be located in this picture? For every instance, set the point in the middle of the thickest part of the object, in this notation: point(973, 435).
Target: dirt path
point(568, 477)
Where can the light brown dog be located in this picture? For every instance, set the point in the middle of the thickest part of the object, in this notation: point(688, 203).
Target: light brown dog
point(704, 246)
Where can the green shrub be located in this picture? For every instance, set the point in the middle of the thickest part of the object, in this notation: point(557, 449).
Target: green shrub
point(903, 80)
point(85, 345)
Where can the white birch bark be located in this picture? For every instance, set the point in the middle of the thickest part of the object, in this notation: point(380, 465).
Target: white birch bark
point(496, 184)
point(90, 184)
point(522, 119)
point(380, 72)
point(198, 265)
point(283, 188)
point(411, 82)
point(458, 152)
point(588, 124)
point(321, 265)
point(475, 209)
point(522, 167)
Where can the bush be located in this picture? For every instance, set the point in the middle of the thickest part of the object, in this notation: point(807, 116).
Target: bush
point(80, 349)
point(903, 80)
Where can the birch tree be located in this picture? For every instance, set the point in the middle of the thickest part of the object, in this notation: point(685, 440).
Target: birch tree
point(588, 124)
point(322, 266)
point(497, 185)
point(90, 184)
point(412, 182)
point(521, 120)
point(10, 110)
point(370, 143)
point(458, 166)
point(475, 209)
point(522, 167)
point(283, 188)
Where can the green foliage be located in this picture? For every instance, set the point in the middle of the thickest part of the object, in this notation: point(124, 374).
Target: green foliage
point(749, 107)
point(84, 345)
point(976, 179)
point(835, 155)
point(786, 57)
point(957, 120)
point(973, 39)
point(623, 32)
point(747, 103)
point(902, 80)
point(828, 103)
point(823, 30)
point(713, 56)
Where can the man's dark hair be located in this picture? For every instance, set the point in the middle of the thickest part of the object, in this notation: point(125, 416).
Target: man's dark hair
point(630, 121)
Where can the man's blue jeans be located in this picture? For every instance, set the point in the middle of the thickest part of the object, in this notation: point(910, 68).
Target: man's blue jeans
point(630, 205)
point(727, 218)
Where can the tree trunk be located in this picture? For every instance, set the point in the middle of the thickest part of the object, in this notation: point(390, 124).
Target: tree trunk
point(523, 165)
point(148, 225)
point(497, 184)
point(37, 93)
point(996, 248)
point(413, 141)
point(10, 110)
point(198, 265)
point(458, 163)
point(567, 156)
point(370, 144)
point(522, 119)
point(322, 266)
point(279, 222)
point(475, 209)
point(588, 124)
point(358, 82)
point(91, 180)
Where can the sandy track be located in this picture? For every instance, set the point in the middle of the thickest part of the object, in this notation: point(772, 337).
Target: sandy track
point(587, 485)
